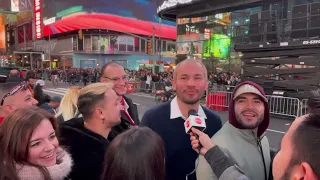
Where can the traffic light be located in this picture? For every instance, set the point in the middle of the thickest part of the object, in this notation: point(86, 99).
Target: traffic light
point(80, 34)
point(149, 47)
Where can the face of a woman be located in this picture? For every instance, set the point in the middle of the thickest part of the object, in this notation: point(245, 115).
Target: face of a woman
point(42, 145)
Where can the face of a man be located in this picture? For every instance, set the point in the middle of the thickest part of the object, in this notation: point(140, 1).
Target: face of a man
point(249, 110)
point(32, 81)
point(112, 107)
point(20, 99)
point(190, 83)
point(118, 77)
point(282, 169)
point(55, 105)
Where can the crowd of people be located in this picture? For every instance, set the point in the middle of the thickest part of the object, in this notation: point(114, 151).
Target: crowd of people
point(94, 132)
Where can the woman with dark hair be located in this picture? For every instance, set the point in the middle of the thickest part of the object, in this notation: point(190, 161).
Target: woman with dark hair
point(137, 154)
point(38, 93)
point(29, 147)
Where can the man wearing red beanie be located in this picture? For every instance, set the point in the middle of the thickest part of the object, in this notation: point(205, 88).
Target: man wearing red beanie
point(242, 137)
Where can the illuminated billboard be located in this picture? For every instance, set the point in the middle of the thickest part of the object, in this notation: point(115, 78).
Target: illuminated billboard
point(138, 9)
point(21, 5)
point(2, 34)
point(38, 18)
point(218, 46)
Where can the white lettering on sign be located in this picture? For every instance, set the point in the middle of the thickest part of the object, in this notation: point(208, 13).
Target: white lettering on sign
point(171, 3)
point(49, 21)
point(311, 42)
point(207, 34)
point(192, 29)
point(38, 18)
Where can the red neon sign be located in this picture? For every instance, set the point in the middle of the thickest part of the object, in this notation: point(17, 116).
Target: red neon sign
point(38, 18)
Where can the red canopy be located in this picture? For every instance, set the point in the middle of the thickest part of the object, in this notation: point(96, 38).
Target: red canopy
point(110, 22)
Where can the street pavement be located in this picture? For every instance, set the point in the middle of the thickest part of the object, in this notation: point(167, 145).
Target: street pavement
point(277, 128)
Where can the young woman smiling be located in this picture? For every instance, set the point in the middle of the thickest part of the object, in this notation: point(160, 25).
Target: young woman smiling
point(29, 147)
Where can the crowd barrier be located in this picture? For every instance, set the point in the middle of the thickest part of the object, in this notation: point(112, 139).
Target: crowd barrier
point(284, 106)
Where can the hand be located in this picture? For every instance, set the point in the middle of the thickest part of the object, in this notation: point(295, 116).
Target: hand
point(204, 139)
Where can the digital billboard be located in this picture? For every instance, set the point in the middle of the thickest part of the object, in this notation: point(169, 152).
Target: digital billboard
point(2, 33)
point(21, 5)
point(139, 9)
point(218, 46)
point(38, 18)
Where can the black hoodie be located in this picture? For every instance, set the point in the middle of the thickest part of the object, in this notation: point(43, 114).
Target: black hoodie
point(86, 147)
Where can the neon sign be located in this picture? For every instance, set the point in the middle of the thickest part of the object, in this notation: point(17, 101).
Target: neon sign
point(38, 18)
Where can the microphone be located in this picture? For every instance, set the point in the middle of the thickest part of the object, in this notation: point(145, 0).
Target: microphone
point(194, 121)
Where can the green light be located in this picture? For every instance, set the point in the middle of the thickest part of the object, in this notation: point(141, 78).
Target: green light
point(69, 11)
point(218, 46)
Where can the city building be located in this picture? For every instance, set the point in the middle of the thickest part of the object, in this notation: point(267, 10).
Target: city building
point(91, 40)
point(210, 30)
point(274, 43)
point(65, 34)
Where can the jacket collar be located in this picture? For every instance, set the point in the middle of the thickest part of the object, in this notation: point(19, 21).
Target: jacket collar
point(176, 113)
point(247, 134)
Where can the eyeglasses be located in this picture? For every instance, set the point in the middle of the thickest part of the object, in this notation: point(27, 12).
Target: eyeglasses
point(21, 86)
point(124, 78)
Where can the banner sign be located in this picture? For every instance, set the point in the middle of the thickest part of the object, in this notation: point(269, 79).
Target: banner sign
point(38, 18)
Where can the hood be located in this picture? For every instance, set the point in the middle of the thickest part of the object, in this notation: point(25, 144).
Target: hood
point(74, 134)
point(232, 117)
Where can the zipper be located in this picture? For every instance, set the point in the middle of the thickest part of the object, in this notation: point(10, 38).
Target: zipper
point(262, 155)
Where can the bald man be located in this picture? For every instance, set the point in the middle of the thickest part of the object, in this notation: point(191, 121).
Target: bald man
point(114, 73)
point(190, 82)
point(14, 76)
point(14, 96)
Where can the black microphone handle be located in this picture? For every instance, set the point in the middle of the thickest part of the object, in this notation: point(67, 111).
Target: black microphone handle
point(200, 146)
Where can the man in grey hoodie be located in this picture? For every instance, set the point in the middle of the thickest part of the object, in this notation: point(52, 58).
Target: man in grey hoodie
point(297, 159)
point(243, 138)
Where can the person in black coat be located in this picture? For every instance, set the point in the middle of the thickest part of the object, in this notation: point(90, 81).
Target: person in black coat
point(86, 138)
point(14, 76)
point(114, 73)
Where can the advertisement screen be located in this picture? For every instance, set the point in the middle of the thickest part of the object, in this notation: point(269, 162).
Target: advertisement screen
point(218, 46)
point(2, 34)
point(138, 9)
point(189, 44)
point(21, 5)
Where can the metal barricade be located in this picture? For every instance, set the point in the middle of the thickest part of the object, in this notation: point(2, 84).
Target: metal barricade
point(304, 107)
point(285, 106)
point(218, 100)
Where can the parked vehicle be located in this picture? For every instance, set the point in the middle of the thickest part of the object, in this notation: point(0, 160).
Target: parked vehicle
point(4, 73)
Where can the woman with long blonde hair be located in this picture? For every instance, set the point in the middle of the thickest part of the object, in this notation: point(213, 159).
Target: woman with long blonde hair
point(68, 107)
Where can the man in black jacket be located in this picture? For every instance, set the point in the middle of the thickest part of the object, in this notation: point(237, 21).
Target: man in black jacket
point(14, 76)
point(114, 72)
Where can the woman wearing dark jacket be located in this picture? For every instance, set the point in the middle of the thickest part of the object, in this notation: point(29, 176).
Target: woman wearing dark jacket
point(38, 93)
point(222, 166)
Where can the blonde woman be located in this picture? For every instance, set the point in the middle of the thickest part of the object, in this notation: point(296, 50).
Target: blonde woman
point(68, 106)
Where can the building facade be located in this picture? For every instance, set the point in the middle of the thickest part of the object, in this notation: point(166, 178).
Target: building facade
point(47, 34)
point(211, 30)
